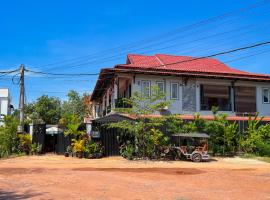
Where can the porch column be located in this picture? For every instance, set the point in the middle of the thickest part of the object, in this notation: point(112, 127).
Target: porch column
point(115, 94)
point(232, 97)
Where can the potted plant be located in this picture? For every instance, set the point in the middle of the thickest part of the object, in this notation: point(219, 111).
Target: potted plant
point(68, 151)
point(78, 147)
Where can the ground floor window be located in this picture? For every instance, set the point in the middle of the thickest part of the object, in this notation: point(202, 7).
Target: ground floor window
point(266, 95)
point(146, 89)
point(161, 87)
point(213, 95)
point(174, 91)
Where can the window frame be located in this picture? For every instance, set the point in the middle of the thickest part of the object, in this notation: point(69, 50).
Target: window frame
point(202, 96)
point(173, 83)
point(268, 89)
point(163, 82)
point(142, 92)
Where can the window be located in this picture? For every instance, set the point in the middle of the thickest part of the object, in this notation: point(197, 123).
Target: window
point(266, 95)
point(146, 89)
point(174, 91)
point(161, 87)
point(211, 95)
point(245, 99)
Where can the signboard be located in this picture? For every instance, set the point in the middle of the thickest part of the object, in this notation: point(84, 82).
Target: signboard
point(95, 134)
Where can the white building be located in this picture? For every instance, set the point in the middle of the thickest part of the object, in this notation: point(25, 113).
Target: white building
point(5, 108)
point(193, 85)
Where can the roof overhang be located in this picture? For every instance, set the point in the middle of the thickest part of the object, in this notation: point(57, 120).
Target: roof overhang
point(107, 75)
point(169, 72)
point(105, 78)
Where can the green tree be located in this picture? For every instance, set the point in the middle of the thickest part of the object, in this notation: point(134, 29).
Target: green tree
point(74, 105)
point(8, 136)
point(46, 109)
point(257, 137)
point(71, 123)
point(146, 137)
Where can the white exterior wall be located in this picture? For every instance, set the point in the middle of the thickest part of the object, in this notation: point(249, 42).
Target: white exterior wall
point(176, 105)
point(4, 103)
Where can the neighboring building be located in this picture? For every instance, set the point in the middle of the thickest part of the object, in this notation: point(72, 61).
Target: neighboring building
point(194, 86)
point(5, 107)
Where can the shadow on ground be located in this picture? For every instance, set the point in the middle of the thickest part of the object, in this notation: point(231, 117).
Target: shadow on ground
point(170, 171)
point(9, 195)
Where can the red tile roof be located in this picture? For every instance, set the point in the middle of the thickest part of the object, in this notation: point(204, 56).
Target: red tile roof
point(164, 63)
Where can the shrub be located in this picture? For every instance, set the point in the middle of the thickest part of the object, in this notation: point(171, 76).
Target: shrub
point(93, 149)
point(25, 143)
point(128, 151)
point(36, 148)
point(78, 146)
point(8, 136)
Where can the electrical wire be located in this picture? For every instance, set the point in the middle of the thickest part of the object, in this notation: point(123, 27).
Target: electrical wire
point(167, 64)
point(170, 33)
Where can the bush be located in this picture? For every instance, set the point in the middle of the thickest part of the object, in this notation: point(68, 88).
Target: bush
point(8, 137)
point(36, 149)
point(263, 149)
point(128, 151)
point(78, 146)
point(25, 143)
point(93, 149)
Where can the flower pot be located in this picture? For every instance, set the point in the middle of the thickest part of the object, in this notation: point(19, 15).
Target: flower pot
point(66, 154)
point(79, 154)
point(97, 155)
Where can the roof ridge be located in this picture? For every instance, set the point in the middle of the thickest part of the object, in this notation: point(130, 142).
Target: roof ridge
point(156, 55)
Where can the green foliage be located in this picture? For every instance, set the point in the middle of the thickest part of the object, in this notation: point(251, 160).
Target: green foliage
point(8, 136)
point(71, 123)
point(141, 105)
point(92, 148)
point(74, 105)
point(78, 146)
point(257, 137)
point(146, 137)
point(128, 151)
point(174, 124)
point(155, 141)
point(25, 143)
point(35, 148)
point(45, 109)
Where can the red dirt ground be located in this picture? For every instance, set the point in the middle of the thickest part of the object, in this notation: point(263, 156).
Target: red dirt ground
point(57, 177)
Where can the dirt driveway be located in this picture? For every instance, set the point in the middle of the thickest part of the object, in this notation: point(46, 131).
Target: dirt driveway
point(57, 177)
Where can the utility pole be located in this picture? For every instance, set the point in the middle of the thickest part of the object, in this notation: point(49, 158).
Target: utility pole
point(21, 104)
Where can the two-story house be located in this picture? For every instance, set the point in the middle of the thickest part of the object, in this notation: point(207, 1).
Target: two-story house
point(194, 85)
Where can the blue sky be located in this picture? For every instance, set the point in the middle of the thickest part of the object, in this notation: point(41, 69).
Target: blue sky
point(38, 33)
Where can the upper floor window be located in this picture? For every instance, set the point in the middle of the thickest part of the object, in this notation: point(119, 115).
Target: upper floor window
point(146, 89)
point(174, 91)
point(219, 96)
point(266, 95)
point(161, 86)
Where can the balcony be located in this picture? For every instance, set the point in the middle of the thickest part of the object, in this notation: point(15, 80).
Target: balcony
point(120, 103)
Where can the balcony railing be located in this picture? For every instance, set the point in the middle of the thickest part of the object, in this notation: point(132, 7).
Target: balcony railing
point(120, 103)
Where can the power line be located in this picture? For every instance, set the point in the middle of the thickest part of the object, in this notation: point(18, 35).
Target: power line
point(178, 62)
point(219, 53)
point(170, 33)
point(117, 56)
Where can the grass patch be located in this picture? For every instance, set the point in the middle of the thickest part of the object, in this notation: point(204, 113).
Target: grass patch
point(261, 158)
point(12, 156)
